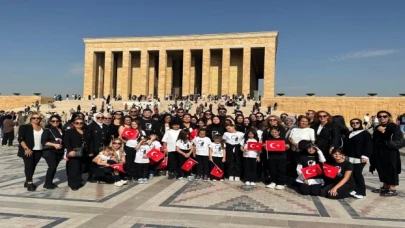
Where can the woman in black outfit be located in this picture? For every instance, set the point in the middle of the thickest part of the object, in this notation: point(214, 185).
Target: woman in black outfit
point(239, 123)
point(358, 147)
point(341, 124)
point(327, 136)
point(215, 128)
point(75, 137)
point(30, 147)
point(116, 123)
point(53, 148)
point(386, 159)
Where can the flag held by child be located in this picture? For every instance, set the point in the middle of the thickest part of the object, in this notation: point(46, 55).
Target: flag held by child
point(163, 164)
point(129, 133)
point(311, 171)
point(188, 164)
point(119, 167)
point(330, 171)
point(217, 172)
point(275, 145)
point(155, 155)
point(254, 146)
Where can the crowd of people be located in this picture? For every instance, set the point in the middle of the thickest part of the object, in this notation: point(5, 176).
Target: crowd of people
point(218, 141)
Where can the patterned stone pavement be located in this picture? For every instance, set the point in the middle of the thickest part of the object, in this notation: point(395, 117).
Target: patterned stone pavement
point(163, 203)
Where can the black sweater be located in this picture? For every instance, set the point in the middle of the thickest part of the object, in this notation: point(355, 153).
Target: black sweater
point(359, 145)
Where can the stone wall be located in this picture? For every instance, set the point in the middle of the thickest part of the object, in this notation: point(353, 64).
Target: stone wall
point(349, 107)
point(12, 102)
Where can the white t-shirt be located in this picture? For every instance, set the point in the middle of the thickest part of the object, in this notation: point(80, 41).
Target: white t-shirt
point(217, 150)
point(202, 145)
point(259, 134)
point(249, 153)
point(141, 152)
point(184, 145)
point(118, 153)
point(104, 157)
point(37, 139)
point(134, 142)
point(298, 134)
point(233, 138)
point(155, 144)
point(366, 119)
point(170, 139)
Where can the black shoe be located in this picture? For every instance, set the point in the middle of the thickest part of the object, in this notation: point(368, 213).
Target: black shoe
point(389, 193)
point(50, 187)
point(31, 187)
point(55, 185)
point(74, 189)
point(378, 190)
point(171, 176)
point(91, 180)
point(25, 184)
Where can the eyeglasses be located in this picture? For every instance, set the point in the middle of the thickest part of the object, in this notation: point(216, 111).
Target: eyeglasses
point(99, 118)
point(36, 118)
point(79, 123)
point(107, 118)
point(272, 120)
point(382, 116)
point(355, 123)
point(116, 143)
point(55, 121)
point(133, 111)
point(323, 116)
point(259, 116)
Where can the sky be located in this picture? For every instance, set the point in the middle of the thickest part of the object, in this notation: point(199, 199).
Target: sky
point(324, 46)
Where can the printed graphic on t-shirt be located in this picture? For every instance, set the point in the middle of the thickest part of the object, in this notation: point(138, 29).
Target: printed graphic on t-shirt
point(200, 143)
point(214, 133)
point(148, 126)
point(234, 138)
point(339, 174)
point(311, 162)
point(217, 150)
point(187, 146)
point(142, 150)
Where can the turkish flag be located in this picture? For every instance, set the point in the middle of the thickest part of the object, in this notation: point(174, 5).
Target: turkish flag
point(330, 171)
point(311, 171)
point(193, 134)
point(275, 145)
point(119, 167)
point(217, 172)
point(163, 164)
point(155, 155)
point(188, 164)
point(254, 146)
point(129, 133)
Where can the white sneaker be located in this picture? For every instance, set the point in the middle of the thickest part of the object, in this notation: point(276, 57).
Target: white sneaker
point(118, 184)
point(231, 178)
point(359, 196)
point(271, 185)
point(124, 182)
point(237, 179)
point(280, 187)
point(247, 183)
point(214, 180)
point(253, 183)
point(221, 180)
point(145, 180)
point(352, 193)
point(181, 179)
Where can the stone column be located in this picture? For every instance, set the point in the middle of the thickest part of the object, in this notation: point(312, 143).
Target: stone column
point(269, 70)
point(162, 74)
point(246, 71)
point(108, 73)
point(151, 81)
point(144, 73)
point(100, 86)
point(186, 72)
point(206, 72)
point(169, 75)
point(123, 77)
point(192, 75)
point(89, 73)
point(226, 59)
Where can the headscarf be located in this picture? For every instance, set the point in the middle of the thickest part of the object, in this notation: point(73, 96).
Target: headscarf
point(358, 130)
point(95, 119)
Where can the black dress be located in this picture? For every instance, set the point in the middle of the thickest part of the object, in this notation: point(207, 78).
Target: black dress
point(51, 155)
point(327, 138)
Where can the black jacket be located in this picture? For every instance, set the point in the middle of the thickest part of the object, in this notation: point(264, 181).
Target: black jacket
point(98, 137)
point(73, 139)
point(328, 137)
point(50, 135)
point(215, 129)
point(359, 145)
point(25, 134)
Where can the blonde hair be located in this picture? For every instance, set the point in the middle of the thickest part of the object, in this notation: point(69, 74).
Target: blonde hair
point(42, 123)
point(266, 124)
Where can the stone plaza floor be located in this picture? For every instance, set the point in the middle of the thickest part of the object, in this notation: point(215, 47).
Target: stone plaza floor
point(168, 203)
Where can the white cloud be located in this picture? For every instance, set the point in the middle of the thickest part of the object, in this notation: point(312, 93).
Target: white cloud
point(75, 69)
point(364, 54)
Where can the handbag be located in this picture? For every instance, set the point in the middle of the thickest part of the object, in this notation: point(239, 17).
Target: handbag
point(51, 147)
point(79, 151)
point(397, 139)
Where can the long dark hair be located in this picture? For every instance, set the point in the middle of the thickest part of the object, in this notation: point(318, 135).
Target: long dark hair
point(341, 124)
point(184, 135)
point(49, 125)
point(254, 133)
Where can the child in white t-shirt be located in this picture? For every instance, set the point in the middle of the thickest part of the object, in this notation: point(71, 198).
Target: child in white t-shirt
point(250, 157)
point(142, 160)
point(217, 155)
point(169, 144)
point(184, 149)
point(201, 145)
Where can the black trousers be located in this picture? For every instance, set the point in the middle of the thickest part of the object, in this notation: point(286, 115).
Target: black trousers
point(53, 160)
point(250, 169)
point(90, 166)
point(74, 172)
point(277, 170)
point(172, 162)
point(8, 137)
point(220, 164)
point(203, 165)
point(30, 163)
point(233, 160)
point(180, 162)
point(342, 192)
point(129, 166)
point(359, 179)
point(142, 170)
point(313, 190)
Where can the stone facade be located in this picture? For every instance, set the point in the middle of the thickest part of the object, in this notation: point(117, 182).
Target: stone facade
point(12, 102)
point(181, 65)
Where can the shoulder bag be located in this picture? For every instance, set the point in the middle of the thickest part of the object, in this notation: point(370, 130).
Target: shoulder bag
point(397, 139)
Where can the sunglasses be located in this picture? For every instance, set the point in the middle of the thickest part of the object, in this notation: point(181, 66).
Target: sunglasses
point(99, 118)
point(79, 123)
point(355, 123)
point(36, 118)
point(116, 143)
point(383, 116)
point(107, 118)
point(55, 121)
point(272, 120)
point(323, 116)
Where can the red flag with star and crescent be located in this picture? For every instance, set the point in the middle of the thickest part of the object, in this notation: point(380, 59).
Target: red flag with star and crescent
point(275, 145)
point(330, 171)
point(254, 146)
point(163, 164)
point(311, 171)
point(155, 154)
point(188, 164)
point(217, 172)
point(119, 167)
point(129, 133)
